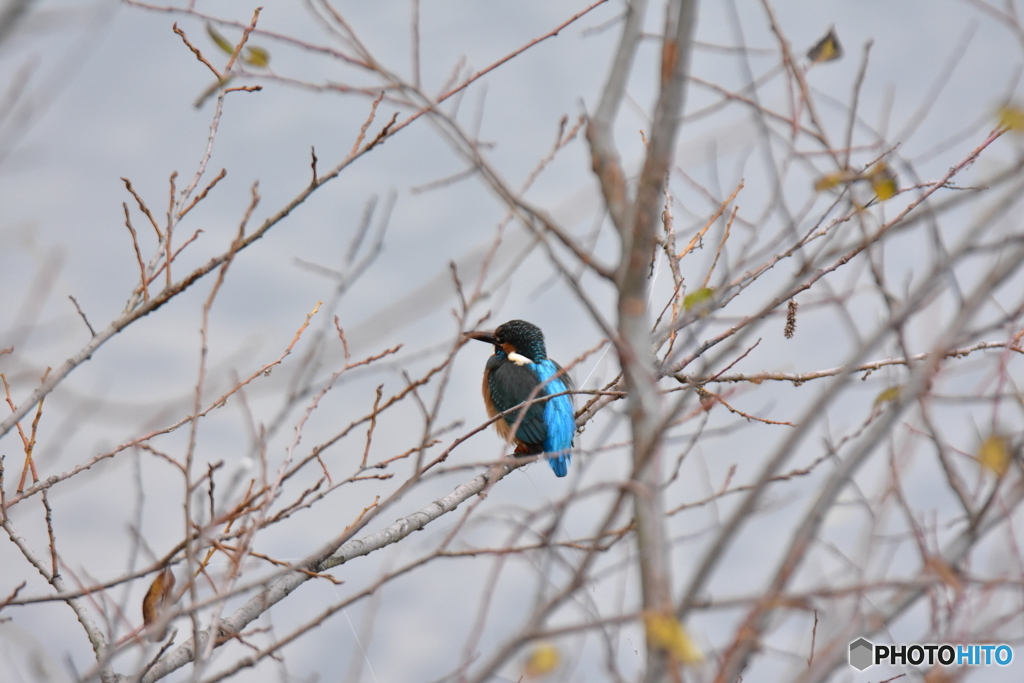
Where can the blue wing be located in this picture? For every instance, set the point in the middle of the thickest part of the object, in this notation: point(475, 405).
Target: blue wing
point(509, 385)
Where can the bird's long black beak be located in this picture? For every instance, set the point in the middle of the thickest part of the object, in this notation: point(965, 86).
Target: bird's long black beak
point(483, 336)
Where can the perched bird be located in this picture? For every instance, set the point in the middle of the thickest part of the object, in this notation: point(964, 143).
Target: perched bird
point(519, 366)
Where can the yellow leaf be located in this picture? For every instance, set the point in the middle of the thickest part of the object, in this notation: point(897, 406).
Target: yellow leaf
point(157, 602)
point(1011, 116)
point(945, 571)
point(696, 298)
point(994, 454)
point(827, 49)
point(937, 675)
point(222, 42)
point(543, 660)
point(256, 56)
point(665, 632)
point(883, 181)
point(885, 188)
point(890, 394)
point(827, 182)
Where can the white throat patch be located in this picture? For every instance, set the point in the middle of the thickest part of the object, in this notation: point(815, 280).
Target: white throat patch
point(519, 360)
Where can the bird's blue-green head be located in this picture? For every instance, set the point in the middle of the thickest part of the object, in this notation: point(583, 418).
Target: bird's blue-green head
point(516, 337)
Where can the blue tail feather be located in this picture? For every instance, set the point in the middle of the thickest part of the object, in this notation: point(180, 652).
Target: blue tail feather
point(560, 464)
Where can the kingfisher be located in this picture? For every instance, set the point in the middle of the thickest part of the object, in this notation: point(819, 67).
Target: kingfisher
point(519, 366)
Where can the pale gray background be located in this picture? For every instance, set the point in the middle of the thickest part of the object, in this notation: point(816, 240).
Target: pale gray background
point(112, 95)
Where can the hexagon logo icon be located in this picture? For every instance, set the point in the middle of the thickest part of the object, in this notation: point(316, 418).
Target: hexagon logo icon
point(861, 651)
